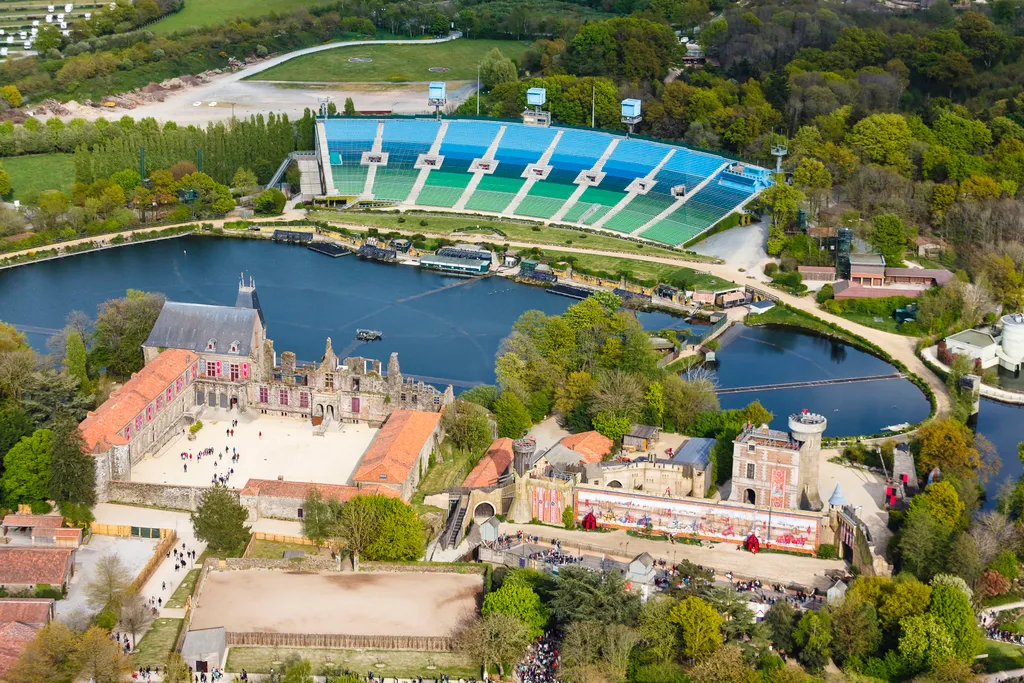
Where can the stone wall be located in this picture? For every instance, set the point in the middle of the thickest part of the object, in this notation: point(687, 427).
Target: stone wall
point(347, 642)
point(157, 495)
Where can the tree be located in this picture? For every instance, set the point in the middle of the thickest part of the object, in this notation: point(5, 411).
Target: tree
point(350, 107)
point(948, 445)
point(924, 643)
point(482, 395)
point(815, 180)
point(656, 630)
point(520, 601)
point(135, 615)
point(495, 68)
point(882, 138)
point(26, 474)
point(580, 595)
point(613, 426)
point(813, 638)
point(318, 520)
point(952, 608)
point(380, 527)
point(855, 631)
point(890, 238)
point(781, 622)
point(595, 651)
point(101, 659)
point(72, 470)
point(122, 326)
point(496, 638)
point(270, 202)
point(512, 416)
point(220, 520)
point(74, 358)
point(942, 502)
point(109, 584)
point(783, 201)
point(177, 670)
point(14, 424)
point(51, 656)
point(466, 426)
point(727, 666)
point(11, 94)
point(699, 626)
point(244, 180)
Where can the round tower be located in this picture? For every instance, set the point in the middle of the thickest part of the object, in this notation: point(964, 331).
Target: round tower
point(1013, 336)
point(807, 427)
point(522, 452)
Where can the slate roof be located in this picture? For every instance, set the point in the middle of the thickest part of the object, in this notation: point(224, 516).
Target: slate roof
point(695, 452)
point(837, 498)
point(192, 326)
point(100, 429)
point(393, 454)
point(247, 298)
point(643, 431)
point(562, 458)
point(593, 446)
point(495, 462)
point(202, 642)
point(30, 611)
point(19, 565)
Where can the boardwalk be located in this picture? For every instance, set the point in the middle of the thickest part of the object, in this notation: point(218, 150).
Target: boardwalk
point(811, 383)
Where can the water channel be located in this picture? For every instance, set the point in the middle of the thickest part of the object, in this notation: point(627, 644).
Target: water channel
point(450, 333)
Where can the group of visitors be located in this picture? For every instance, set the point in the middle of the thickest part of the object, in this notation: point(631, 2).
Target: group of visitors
point(540, 662)
point(122, 640)
point(996, 633)
point(181, 558)
point(145, 673)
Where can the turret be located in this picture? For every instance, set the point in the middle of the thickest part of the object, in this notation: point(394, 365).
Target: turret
point(806, 428)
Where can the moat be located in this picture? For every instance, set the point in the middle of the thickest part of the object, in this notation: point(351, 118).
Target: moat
point(448, 333)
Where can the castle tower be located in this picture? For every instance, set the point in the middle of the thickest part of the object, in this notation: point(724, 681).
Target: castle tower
point(807, 428)
point(523, 450)
point(247, 299)
point(394, 371)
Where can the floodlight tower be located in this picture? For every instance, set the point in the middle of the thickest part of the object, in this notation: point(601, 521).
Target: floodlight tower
point(779, 150)
point(437, 97)
point(323, 102)
point(536, 98)
point(631, 114)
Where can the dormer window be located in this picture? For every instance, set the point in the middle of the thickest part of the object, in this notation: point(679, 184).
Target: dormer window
point(211, 345)
point(234, 347)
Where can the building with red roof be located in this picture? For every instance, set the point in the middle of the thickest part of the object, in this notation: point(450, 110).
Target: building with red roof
point(492, 465)
point(36, 612)
point(400, 454)
point(14, 638)
point(285, 499)
point(22, 568)
point(593, 446)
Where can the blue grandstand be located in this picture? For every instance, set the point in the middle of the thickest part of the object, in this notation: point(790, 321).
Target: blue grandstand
point(652, 190)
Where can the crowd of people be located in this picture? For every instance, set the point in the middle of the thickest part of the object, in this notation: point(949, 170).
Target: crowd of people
point(540, 662)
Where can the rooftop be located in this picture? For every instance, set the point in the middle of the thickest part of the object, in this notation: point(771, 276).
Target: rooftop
point(394, 452)
point(14, 637)
point(45, 521)
point(100, 429)
point(643, 432)
point(21, 565)
point(277, 488)
point(561, 457)
point(492, 465)
point(31, 611)
point(975, 338)
point(867, 259)
point(593, 446)
point(695, 452)
point(194, 326)
point(940, 275)
point(765, 436)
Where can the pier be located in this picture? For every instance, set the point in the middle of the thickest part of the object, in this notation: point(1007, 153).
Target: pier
point(811, 383)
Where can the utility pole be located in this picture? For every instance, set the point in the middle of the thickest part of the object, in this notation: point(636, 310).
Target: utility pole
point(478, 90)
point(593, 103)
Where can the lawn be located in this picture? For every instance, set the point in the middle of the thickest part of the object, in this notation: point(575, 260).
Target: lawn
point(158, 642)
point(384, 663)
point(446, 474)
point(392, 63)
point(272, 550)
point(1003, 656)
point(781, 315)
point(209, 12)
point(886, 324)
point(485, 228)
point(183, 590)
point(33, 174)
point(644, 270)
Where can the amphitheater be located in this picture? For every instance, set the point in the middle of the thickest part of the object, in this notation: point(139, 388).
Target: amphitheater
point(582, 177)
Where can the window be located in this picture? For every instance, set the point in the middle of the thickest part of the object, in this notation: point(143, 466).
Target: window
point(128, 432)
point(234, 347)
point(437, 400)
point(403, 397)
point(138, 423)
point(751, 448)
point(264, 395)
point(211, 345)
point(750, 470)
point(234, 372)
point(329, 381)
point(304, 399)
point(355, 384)
point(170, 394)
point(355, 406)
point(284, 397)
point(211, 370)
point(149, 412)
point(300, 513)
point(179, 384)
point(159, 403)
point(415, 398)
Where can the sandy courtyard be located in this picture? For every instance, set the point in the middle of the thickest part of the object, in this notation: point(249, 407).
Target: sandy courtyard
point(364, 603)
point(287, 448)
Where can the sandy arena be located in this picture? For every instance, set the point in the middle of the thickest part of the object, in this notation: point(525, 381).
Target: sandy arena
point(287, 448)
point(361, 604)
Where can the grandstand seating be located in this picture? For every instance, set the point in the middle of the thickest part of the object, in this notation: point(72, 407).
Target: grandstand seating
point(404, 140)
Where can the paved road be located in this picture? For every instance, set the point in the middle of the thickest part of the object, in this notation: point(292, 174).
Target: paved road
point(255, 97)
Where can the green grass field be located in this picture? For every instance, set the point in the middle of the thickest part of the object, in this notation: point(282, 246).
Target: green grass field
point(33, 174)
point(208, 12)
point(391, 63)
point(1002, 656)
point(272, 550)
point(645, 270)
point(184, 589)
point(156, 645)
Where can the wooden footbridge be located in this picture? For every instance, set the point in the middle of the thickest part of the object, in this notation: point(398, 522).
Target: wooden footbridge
point(811, 383)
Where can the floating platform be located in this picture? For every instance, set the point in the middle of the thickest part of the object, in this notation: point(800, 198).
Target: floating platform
point(329, 249)
point(369, 335)
point(571, 291)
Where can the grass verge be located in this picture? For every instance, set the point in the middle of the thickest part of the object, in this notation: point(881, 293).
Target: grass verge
point(157, 644)
point(184, 589)
point(644, 270)
point(1003, 656)
point(442, 475)
point(384, 663)
point(210, 12)
point(273, 550)
point(32, 174)
point(392, 63)
point(886, 324)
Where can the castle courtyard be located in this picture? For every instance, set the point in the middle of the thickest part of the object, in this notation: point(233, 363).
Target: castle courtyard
point(269, 447)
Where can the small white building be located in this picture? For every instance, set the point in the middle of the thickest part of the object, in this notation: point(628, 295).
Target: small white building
point(1005, 348)
point(976, 345)
point(836, 594)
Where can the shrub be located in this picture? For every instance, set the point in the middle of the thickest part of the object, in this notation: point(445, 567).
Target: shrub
point(568, 518)
point(825, 293)
point(401, 219)
point(106, 619)
point(535, 228)
point(196, 426)
point(41, 507)
point(827, 551)
point(270, 202)
point(423, 222)
point(45, 590)
point(771, 268)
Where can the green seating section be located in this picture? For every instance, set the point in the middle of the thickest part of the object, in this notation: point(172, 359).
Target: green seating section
point(394, 183)
point(638, 212)
point(349, 179)
point(494, 193)
point(443, 188)
point(544, 199)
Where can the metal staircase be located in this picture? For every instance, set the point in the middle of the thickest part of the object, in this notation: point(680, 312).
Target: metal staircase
point(453, 530)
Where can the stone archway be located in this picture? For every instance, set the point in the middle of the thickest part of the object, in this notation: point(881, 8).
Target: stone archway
point(614, 484)
point(750, 497)
point(330, 411)
point(319, 411)
point(483, 511)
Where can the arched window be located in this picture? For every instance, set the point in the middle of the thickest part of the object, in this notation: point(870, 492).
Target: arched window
point(211, 345)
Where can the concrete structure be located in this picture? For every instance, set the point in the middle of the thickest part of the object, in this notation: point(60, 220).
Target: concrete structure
point(836, 594)
point(454, 264)
point(981, 347)
point(23, 569)
point(817, 273)
point(285, 499)
point(758, 307)
point(867, 269)
point(401, 452)
point(779, 469)
point(930, 247)
point(204, 649)
point(687, 473)
point(642, 569)
point(1004, 348)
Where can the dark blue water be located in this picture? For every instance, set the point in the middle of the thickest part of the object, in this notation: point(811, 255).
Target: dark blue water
point(1003, 425)
point(767, 355)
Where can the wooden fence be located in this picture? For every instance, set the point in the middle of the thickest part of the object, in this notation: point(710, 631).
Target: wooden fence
point(281, 538)
point(158, 556)
point(125, 530)
point(341, 641)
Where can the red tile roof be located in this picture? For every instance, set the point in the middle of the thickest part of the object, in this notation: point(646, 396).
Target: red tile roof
point(20, 566)
point(31, 611)
point(846, 290)
point(14, 638)
point(299, 489)
point(816, 269)
point(496, 460)
point(393, 454)
point(100, 429)
point(593, 446)
point(34, 521)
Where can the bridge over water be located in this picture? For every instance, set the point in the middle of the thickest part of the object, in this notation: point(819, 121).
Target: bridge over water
point(811, 383)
